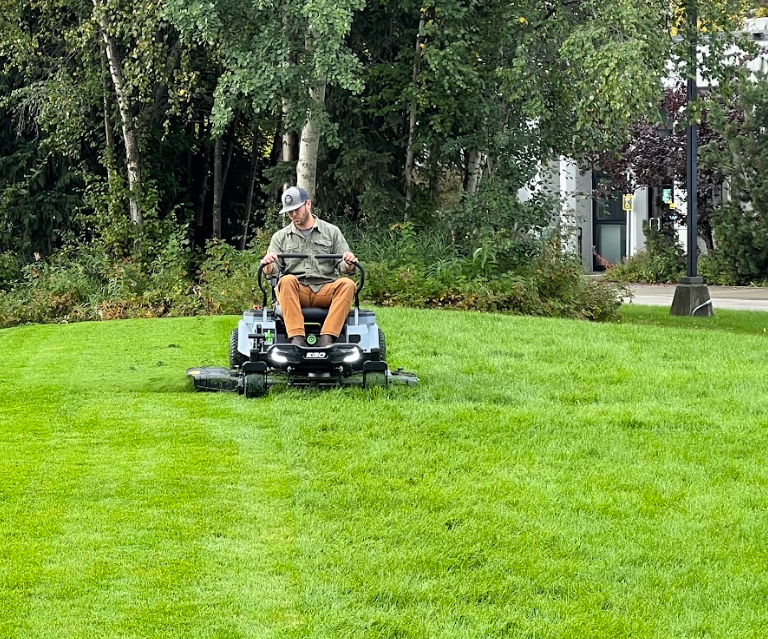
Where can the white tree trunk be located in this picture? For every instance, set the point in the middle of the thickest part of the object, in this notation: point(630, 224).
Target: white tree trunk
point(289, 140)
point(289, 137)
point(287, 154)
point(109, 136)
point(410, 153)
point(475, 163)
point(133, 158)
point(306, 170)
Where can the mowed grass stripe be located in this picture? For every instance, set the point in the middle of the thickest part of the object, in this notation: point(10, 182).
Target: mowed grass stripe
point(547, 479)
point(139, 515)
point(578, 522)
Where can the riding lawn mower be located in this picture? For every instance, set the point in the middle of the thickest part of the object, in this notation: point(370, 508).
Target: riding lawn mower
point(261, 354)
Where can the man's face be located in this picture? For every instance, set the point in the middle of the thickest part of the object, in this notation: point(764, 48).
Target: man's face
point(301, 216)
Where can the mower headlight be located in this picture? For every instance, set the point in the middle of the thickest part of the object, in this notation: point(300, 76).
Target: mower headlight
point(277, 357)
point(352, 357)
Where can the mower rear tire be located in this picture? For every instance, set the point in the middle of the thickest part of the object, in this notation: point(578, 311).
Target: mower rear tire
point(236, 358)
point(382, 346)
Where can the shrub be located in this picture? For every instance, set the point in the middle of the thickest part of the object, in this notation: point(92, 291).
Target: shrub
point(9, 269)
point(404, 267)
point(227, 281)
point(714, 270)
point(550, 284)
point(662, 260)
point(85, 282)
point(740, 225)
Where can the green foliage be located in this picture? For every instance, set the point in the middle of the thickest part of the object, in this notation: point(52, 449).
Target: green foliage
point(715, 268)
point(741, 223)
point(662, 260)
point(10, 269)
point(40, 188)
point(616, 62)
point(211, 85)
point(227, 277)
point(501, 232)
point(405, 267)
point(425, 270)
point(87, 282)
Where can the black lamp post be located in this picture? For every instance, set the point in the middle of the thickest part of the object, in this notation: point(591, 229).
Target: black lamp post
point(691, 156)
point(692, 295)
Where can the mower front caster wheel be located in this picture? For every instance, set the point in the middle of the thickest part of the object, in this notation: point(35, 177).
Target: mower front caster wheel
point(255, 385)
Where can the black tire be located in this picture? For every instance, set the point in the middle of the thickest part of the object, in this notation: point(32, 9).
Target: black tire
point(255, 385)
point(382, 346)
point(236, 358)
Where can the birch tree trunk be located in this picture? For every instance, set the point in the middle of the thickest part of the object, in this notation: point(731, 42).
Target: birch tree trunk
point(306, 170)
point(289, 138)
point(133, 157)
point(109, 136)
point(410, 154)
point(289, 141)
point(475, 164)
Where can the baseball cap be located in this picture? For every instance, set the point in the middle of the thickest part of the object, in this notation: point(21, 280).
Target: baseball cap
point(293, 198)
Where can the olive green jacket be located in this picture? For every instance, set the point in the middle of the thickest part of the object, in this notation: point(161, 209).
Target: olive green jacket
point(324, 238)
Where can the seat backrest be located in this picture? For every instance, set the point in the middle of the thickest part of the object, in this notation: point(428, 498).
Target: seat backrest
point(310, 313)
point(315, 314)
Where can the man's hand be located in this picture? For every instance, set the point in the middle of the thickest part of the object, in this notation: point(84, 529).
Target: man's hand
point(350, 259)
point(267, 262)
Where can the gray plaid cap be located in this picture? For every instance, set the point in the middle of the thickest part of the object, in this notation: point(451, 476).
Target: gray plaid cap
point(293, 198)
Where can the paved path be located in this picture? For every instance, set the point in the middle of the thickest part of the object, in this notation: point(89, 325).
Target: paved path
point(748, 298)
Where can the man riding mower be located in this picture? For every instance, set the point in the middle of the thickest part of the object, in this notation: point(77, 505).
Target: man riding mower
point(309, 336)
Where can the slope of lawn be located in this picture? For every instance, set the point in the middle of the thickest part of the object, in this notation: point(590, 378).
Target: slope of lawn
point(547, 478)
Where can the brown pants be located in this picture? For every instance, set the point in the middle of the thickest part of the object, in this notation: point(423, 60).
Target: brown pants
point(336, 296)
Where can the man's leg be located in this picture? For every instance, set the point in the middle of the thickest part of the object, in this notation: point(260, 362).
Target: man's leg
point(292, 296)
point(337, 297)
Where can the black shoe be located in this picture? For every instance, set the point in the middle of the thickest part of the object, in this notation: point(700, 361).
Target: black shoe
point(299, 340)
point(325, 340)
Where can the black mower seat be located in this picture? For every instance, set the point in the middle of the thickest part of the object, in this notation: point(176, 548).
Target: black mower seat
point(315, 314)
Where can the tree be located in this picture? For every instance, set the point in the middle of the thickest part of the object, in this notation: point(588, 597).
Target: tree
point(655, 157)
point(174, 114)
point(741, 223)
point(130, 138)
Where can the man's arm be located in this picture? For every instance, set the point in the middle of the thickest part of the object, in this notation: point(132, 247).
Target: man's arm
point(268, 261)
point(347, 256)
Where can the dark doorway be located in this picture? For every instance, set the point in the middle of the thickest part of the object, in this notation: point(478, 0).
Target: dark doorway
point(609, 228)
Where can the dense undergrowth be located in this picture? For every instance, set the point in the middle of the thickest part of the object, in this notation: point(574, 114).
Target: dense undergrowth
point(404, 267)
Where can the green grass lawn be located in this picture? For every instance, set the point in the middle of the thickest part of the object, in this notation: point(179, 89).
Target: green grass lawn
point(547, 478)
point(746, 322)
